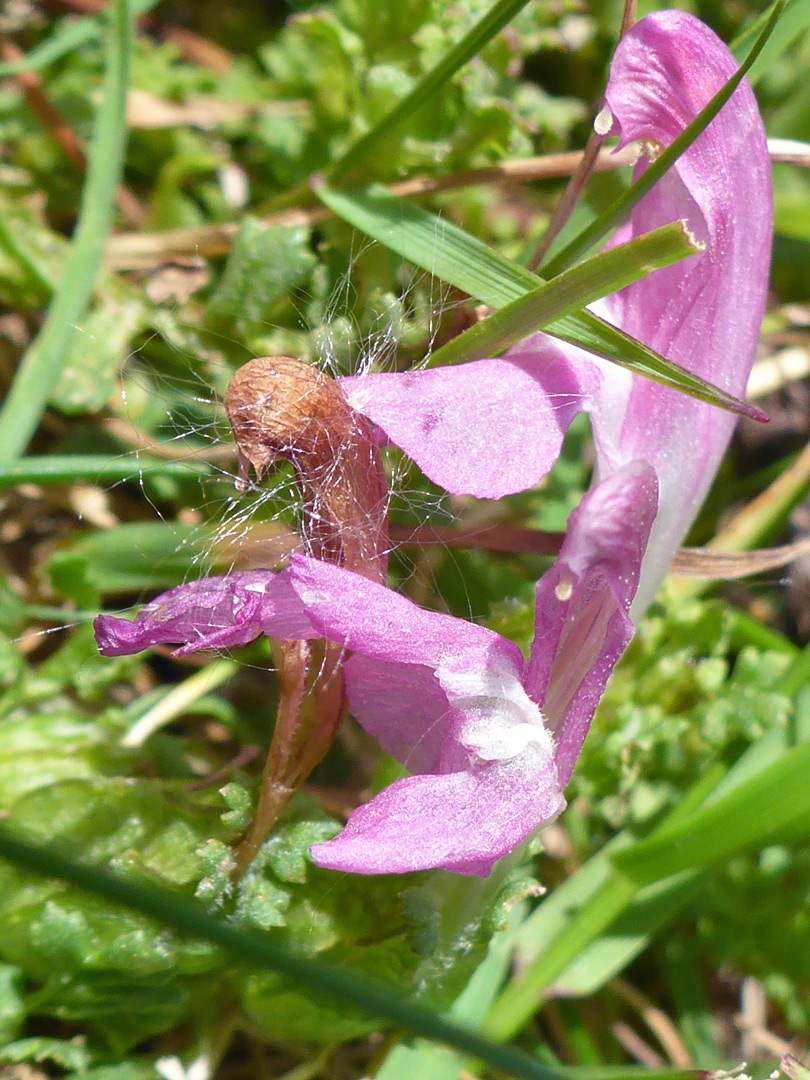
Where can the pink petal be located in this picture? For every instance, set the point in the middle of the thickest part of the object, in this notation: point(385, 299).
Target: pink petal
point(486, 428)
point(582, 603)
point(369, 618)
point(402, 706)
point(215, 612)
point(460, 821)
point(704, 313)
point(404, 659)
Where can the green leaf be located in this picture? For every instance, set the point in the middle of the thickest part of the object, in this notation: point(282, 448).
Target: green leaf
point(793, 21)
point(260, 951)
point(30, 255)
point(461, 260)
point(769, 804)
point(68, 36)
point(134, 556)
point(45, 358)
point(420, 1059)
point(87, 381)
point(69, 1054)
point(124, 976)
point(70, 576)
point(46, 748)
point(620, 209)
point(12, 1005)
point(425, 938)
point(597, 277)
point(264, 265)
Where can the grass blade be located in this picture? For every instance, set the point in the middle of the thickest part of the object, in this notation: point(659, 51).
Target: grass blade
point(768, 804)
point(92, 468)
point(579, 914)
point(615, 214)
point(42, 363)
point(794, 20)
point(464, 261)
point(597, 277)
point(68, 37)
point(473, 42)
point(430, 1062)
point(521, 998)
point(190, 917)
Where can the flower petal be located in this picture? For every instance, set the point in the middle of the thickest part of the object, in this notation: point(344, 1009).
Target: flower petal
point(460, 821)
point(486, 428)
point(212, 613)
point(375, 621)
point(705, 312)
point(581, 608)
point(402, 706)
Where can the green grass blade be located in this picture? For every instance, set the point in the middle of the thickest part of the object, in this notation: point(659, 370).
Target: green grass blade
point(42, 363)
point(473, 42)
point(428, 241)
point(570, 925)
point(793, 22)
point(768, 804)
point(591, 280)
point(620, 209)
point(650, 910)
point(68, 37)
point(464, 261)
point(628, 1072)
point(92, 468)
point(577, 915)
point(521, 997)
point(190, 917)
point(430, 1062)
point(36, 277)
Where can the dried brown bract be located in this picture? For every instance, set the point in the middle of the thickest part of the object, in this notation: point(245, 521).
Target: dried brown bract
point(282, 408)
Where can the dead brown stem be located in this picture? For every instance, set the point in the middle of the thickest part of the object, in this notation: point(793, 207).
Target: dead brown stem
point(702, 563)
point(138, 251)
point(192, 47)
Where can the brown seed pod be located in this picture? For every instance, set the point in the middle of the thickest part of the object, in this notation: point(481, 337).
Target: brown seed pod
point(282, 408)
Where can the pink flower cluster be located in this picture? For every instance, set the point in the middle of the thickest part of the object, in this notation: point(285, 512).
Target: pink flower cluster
point(490, 740)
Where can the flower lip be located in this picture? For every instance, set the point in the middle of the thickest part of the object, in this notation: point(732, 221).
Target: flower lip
point(498, 720)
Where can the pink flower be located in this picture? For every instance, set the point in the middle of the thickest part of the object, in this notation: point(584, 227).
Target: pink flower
point(491, 740)
point(494, 743)
point(496, 426)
